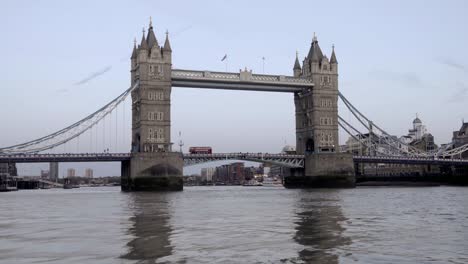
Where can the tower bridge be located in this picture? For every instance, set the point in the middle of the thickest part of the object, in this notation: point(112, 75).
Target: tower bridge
point(153, 165)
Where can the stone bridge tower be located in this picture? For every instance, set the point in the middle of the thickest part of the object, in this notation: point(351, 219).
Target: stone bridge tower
point(316, 109)
point(317, 124)
point(153, 165)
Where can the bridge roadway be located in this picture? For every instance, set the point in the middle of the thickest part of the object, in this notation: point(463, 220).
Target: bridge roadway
point(292, 161)
point(244, 80)
point(286, 160)
point(409, 160)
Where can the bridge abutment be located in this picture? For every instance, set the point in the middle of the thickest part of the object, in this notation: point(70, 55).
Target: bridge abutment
point(324, 170)
point(153, 172)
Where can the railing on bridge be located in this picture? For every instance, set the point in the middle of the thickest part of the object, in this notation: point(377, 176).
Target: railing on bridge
point(284, 160)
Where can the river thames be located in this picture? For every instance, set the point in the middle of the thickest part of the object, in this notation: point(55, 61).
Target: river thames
point(235, 225)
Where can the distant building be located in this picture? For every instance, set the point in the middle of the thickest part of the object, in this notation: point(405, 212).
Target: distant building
point(288, 149)
point(419, 137)
point(354, 144)
point(460, 138)
point(8, 169)
point(53, 171)
point(45, 174)
point(426, 143)
point(207, 174)
point(89, 173)
point(70, 172)
point(230, 174)
point(280, 171)
point(418, 130)
point(277, 171)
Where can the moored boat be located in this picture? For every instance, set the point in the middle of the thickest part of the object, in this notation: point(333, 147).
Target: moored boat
point(8, 183)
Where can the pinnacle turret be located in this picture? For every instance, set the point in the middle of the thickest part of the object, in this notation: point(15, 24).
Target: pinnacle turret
point(167, 45)
point(297, 65)
point(143, 44)
point(333, 56)
point(134, 52)
point(151, 38)
point(315, 53)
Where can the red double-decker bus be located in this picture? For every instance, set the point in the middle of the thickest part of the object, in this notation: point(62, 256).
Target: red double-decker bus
point(200, 150)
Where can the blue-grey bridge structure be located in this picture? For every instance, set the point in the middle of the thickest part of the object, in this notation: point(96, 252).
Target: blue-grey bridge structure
point(153, 165)
point(284, 160)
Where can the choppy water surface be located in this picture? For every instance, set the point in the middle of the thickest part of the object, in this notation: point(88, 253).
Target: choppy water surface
point(235, 225)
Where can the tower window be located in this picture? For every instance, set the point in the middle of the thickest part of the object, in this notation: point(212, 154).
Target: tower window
point(159, 116)
point(151, 115)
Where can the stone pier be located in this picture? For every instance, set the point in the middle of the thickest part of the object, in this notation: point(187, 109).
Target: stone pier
point(325, 170)
point(153, 172)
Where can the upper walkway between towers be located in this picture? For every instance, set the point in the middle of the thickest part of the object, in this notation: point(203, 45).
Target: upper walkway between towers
point(244, 80)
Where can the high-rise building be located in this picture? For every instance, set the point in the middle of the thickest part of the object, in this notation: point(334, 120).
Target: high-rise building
point(70, 172)
point(207, 174)
point(232, 174)
point(53, 171)
point(89, 173)
point(8, 169)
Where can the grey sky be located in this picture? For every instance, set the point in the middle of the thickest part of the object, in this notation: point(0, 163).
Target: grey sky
point(396, 58)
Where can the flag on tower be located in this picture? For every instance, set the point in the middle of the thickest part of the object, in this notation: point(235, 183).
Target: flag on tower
point(225, 57)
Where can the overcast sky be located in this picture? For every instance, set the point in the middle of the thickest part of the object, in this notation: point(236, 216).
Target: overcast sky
point(61, 60)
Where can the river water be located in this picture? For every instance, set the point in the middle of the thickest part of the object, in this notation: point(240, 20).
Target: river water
point(235, 225)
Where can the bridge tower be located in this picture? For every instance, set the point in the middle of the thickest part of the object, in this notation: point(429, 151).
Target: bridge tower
point(317, 124)
point(153, 165)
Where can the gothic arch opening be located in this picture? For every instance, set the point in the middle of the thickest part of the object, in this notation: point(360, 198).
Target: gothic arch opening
point(136, 145)
point(310, 145)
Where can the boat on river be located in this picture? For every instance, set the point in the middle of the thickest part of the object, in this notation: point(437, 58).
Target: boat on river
point(8, 183)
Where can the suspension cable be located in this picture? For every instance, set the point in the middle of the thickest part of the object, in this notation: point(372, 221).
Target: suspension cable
point(64, 135)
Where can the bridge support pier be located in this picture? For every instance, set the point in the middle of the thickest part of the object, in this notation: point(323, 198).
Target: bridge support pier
point(160, 171)
point(324, 170)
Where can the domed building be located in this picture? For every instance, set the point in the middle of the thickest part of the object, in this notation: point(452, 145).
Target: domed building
point(418, 130)
point(419, 137)
point(288, 149)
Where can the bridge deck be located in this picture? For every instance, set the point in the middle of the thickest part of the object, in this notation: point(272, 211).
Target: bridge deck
point(244, 80)
point(292, 161)
point(67, 157)
point(408, 160)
